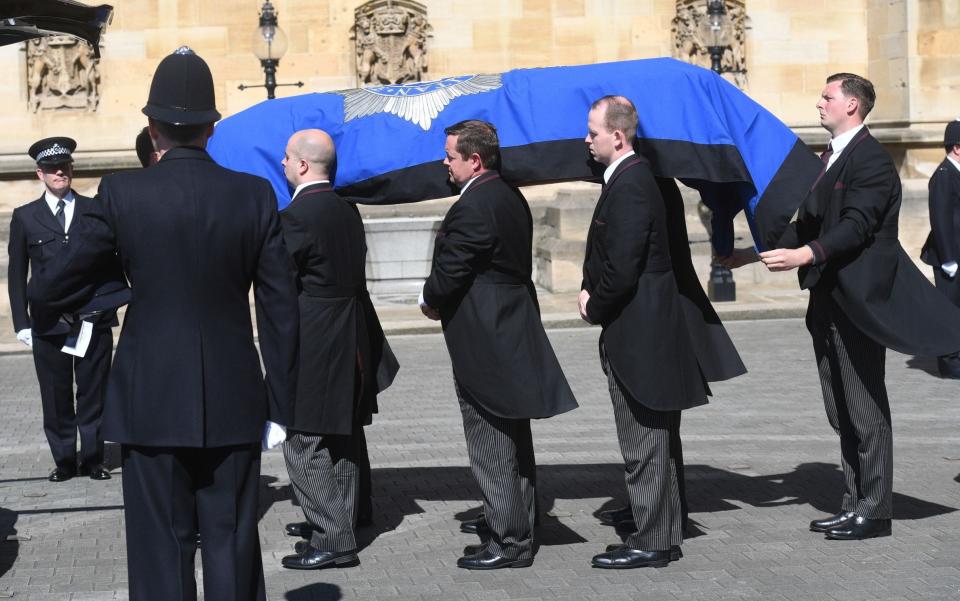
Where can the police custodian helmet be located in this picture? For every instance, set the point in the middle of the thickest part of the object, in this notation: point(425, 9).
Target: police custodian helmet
point(182, 90)
point(951, 135)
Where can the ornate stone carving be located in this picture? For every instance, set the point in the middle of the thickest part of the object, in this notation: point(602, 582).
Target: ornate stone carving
point(687, 45)
point(391, 41)
point(62, 73)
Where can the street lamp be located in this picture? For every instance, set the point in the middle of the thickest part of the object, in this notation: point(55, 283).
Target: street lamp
point(269, 45)
point(716, 34)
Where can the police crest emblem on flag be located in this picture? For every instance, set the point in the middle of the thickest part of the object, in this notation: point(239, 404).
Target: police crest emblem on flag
point(418, 103)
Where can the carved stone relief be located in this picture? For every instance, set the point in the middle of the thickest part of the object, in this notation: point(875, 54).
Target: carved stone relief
point(62, 73)
point(687, 45)
point(391, 41)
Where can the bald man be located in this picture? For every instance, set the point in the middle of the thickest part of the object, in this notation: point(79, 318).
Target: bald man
point(344, 358)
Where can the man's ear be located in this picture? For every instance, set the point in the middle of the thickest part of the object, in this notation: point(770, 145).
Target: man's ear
point(853, 103)
point(476, 161)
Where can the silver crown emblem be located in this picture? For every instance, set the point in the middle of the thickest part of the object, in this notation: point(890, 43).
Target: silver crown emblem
point(184, 50)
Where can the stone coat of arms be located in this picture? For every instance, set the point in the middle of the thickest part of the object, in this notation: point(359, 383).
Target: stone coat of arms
point(391, 38)
point(62, 73)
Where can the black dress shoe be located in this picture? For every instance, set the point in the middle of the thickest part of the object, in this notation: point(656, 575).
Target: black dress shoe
point(834, 521)
point(487, 560)
point(301, 546)
point(860, 528)
point(301, 529)
point(616, 517)
point(314, 559)
point(475, 526)
point(98, 472)
point(675, 552)
point(61, 474)
point(626, 558)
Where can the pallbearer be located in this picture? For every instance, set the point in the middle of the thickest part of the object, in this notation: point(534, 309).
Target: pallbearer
point(505, 371)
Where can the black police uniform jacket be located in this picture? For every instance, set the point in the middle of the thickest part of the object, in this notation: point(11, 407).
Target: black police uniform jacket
point(192, 238)
point(943, 243)
point(850, 220)
point(481, 285)
point(345, 359)
point(36, 237)
point(633, 293)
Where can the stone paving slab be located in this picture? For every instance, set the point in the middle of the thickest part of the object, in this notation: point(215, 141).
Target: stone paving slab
point(761, 462)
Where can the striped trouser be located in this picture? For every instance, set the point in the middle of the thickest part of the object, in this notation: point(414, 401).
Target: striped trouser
point(325, 480)
point(650, 443)
point(851, 369)
point(502, 462)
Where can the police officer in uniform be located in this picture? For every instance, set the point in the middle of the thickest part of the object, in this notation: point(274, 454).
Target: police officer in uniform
point(187, 399)
point(38, 231)
point(942, 248)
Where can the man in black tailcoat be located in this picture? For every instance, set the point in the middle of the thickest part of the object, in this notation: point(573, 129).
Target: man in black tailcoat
point(942, 247)
point(505, 371)
point(344, 357)
point(186, 398)
point(38, 231)
point(866, 295)
point(646, 348)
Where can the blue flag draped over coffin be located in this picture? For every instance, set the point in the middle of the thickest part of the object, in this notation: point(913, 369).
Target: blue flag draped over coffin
point(694, 126)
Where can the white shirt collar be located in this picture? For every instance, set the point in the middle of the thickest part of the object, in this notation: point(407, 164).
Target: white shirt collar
point(954, 161)
point(53, 200)
point(305, 184)
point(842, 141)
point(608, 172)
point(68, 206)
point(467, 185)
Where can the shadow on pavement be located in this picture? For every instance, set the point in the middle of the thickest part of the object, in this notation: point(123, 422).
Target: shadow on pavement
point(927, 364)
point(396, 492)
point(320, 591)
point(9, 549)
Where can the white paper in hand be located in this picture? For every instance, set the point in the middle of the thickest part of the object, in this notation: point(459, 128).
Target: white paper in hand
point(273, 434)
point(77, 343)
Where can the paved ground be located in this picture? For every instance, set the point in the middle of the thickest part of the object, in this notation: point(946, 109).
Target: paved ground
point(761, 463)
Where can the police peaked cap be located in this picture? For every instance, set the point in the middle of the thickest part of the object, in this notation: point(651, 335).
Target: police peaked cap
point(951, 135)
point(182, 91)
point(53, 151)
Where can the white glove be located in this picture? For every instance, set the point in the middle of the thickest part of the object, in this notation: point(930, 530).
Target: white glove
point(949, 268)
point(273, 434)
point(26, 336)
point(420, 300)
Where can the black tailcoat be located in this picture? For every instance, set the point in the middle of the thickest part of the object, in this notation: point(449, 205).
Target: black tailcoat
point(345, 359)
point(192, 238)
point(716, 354)
point(480, 283)
point(943, 243)
point(850, 220)
point(633, 293)
point(36, 237)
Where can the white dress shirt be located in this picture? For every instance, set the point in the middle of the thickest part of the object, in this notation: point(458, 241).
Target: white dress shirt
point(841, 142)
point(68, 207)
point(608, 172)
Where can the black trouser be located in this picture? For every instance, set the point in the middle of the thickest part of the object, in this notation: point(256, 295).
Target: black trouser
point(55, 374)
point(851, 367)
point(325, 479)
point(171, 494)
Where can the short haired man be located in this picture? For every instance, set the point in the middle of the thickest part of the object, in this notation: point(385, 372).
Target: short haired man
point(865, 296)
point(145, 151)
point(942, 247)
point(505, 371)
point(187, 399)
point(38, 231)
point(344, 357)
point(629, 289)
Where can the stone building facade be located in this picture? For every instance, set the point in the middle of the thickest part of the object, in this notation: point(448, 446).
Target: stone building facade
point(909, 48)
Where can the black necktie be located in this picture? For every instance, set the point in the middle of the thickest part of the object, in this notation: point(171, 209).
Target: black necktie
point(61, 216)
